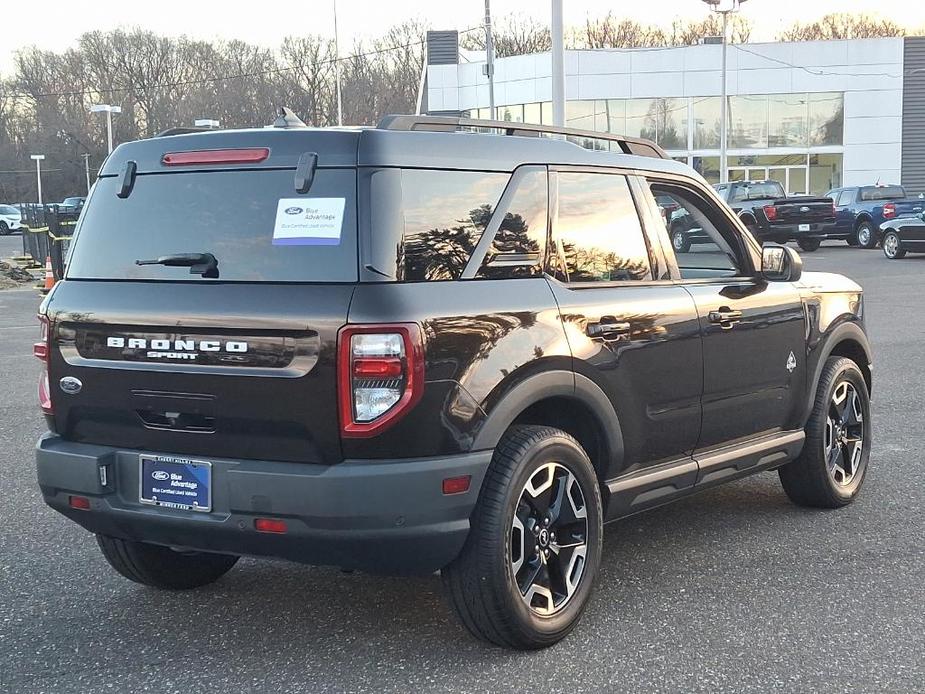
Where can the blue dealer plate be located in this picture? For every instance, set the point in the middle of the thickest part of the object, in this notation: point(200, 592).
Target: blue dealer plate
point(176, 483)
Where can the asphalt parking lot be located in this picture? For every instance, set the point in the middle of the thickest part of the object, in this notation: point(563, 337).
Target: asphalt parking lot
point(732, 590)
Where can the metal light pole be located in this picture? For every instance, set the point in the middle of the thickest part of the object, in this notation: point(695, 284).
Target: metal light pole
point(340, 105)
point(733, 6)
point(87, 170)
point(490, 61)
point(558, 65)
point(109, 110)
point(38, 173)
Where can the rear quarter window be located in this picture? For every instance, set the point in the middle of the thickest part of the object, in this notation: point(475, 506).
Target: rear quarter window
point(230, 214)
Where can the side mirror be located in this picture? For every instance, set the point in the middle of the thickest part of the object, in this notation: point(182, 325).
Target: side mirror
point(781, 264)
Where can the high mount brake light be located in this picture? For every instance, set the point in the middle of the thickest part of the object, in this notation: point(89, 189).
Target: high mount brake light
point(40, 351)
point(216, 156)
point(380, 376)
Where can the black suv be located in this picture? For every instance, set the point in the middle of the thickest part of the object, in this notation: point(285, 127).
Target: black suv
point(438, 344)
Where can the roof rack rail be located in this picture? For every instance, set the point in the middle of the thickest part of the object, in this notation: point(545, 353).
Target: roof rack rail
point(628, 145)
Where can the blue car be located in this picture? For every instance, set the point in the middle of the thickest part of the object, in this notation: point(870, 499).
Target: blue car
point(861, 210)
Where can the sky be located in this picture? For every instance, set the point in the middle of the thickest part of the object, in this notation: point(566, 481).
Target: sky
point(56, 24)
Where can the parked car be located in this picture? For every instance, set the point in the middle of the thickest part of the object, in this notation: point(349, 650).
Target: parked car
point(903, 235)
point(861, 211)
point(770, 215)
point(71, 205)
point(10, 219)
point(394, 359)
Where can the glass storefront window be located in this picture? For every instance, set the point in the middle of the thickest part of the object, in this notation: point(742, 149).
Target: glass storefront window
point(748, 122)
point(641, 118)
point(787, 120)
point(708, 167)
point(707, 117)
point(826, 119)
point(546, 112)
point(510, 114)
point(825, 172)
point(533, 113)
point(797, 184)
point(671, 123)
point(579, 114)
point(615, 116)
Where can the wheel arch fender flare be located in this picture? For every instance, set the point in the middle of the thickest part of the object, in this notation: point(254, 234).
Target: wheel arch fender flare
point(847, 339)
point(553, 384)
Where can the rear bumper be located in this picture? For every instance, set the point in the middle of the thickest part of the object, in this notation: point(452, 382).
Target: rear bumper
point(792, 231)
point(384, 516)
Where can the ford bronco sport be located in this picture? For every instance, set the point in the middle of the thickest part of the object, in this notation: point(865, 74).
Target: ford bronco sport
point(434, 345)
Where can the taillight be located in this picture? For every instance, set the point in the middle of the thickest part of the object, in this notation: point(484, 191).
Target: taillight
point(40, 350)
point(770, 212)
point(889, 210)
point(380, 376)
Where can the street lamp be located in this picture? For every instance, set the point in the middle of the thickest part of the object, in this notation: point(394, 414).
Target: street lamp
point(728, 7)
point(38, 173)
point(109, 110)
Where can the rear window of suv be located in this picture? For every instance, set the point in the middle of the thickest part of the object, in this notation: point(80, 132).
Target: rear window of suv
point(883, 193)
point(230, 214)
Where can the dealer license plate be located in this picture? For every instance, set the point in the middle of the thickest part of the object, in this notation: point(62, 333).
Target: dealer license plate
point(176, 483)
point(804, 227)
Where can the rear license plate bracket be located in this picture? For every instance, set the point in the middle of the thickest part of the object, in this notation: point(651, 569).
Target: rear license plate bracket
point(176, 483)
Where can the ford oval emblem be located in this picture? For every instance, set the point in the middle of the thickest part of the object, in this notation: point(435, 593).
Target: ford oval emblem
point(70, 385)
point(804, 209)
point(293, 210)
point(160, 475)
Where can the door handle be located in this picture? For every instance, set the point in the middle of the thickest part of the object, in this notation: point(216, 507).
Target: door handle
point(725, 317)
point(608, 329)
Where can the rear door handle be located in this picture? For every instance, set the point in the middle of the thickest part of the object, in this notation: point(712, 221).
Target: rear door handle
point(609, 329)
point(725, 317)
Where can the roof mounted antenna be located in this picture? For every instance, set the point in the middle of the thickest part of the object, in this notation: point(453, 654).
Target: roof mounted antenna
point(287, 119)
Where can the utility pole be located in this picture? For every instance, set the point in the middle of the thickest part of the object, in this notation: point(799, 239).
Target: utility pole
point(558, 65)
point(723, 116)
point(87, 170)
point(340, 105)
point(490, 61)
point(38, 173)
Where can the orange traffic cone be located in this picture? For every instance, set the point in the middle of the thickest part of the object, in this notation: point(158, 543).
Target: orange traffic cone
point(49, 273)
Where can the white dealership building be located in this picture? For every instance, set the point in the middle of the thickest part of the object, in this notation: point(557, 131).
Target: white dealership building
point(814, 115)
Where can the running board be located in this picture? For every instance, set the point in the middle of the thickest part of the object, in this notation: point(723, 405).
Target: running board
point(660, 484)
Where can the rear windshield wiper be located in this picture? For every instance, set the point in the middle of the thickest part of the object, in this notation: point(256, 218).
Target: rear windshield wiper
point(204, 264)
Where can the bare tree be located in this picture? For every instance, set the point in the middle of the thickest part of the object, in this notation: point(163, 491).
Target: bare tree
point(843, 26)
point(512, 35)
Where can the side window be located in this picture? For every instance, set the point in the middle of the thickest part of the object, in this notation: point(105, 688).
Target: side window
point(700, 248)
point(739, 193)
point(597, 232)
point(444, 215)
point(845, 198)
point(517, 249)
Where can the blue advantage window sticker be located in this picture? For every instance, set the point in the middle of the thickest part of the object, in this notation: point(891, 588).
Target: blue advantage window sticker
point(308, 222)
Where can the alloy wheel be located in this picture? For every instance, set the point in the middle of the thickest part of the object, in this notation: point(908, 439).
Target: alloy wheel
point(844, 434)
point(891, 245)
point(549, 536)
point(678, 241)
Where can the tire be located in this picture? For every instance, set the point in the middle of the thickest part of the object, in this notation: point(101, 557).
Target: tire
point(483, 583)
point(679, 241)
point(809, 245)
point(866, 235)
point(162, 567)
point(852, 241)
point(4, 229)
point(892, 246)
point(752, 227)
point(809, 480)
